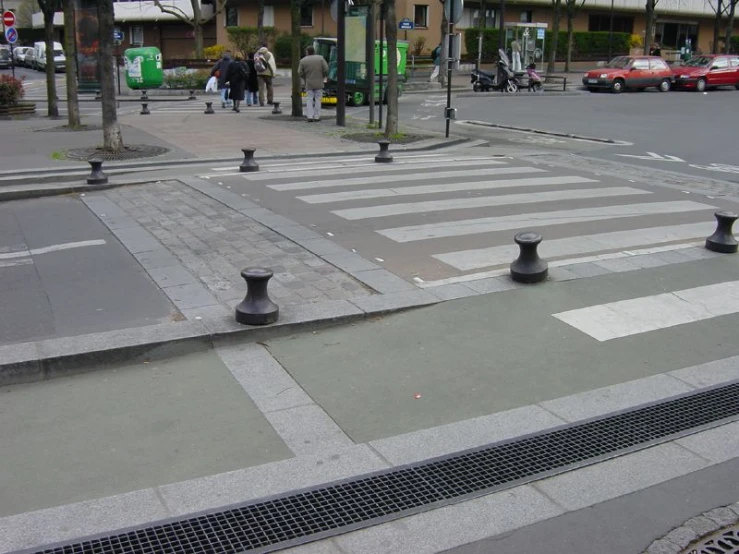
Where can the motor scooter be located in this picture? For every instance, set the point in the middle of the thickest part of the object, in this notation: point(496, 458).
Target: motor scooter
point(504, 79)
point(535, 83)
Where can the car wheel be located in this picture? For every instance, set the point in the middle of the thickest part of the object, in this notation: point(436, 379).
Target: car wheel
point(736, 86)
point(618, 86)
point(700, 85)
point(477, 86)
point(664, 85)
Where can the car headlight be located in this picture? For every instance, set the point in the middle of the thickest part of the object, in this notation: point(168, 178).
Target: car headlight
point(684, 76)
point(603, 75)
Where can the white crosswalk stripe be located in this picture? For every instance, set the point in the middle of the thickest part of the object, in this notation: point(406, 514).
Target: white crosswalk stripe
point(437, 218)
point(170, 107)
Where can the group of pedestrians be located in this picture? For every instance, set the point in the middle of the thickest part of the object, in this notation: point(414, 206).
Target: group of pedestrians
point(249, 79)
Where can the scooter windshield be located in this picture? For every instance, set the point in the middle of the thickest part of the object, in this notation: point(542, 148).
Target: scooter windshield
point(504, 57)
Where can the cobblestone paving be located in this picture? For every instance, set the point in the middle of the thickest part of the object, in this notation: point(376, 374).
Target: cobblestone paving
point(215, 243)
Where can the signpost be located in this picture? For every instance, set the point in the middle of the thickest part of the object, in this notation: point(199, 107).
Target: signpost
point(8, 19)
point(405, 24)
point(11, 35)
point(117, 38)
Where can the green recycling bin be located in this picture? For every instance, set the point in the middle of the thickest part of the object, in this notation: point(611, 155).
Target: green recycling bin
point(143, 68)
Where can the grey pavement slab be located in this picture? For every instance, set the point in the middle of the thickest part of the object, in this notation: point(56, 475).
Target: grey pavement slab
point(624, 525)
point(491, 353)
point(118, 430)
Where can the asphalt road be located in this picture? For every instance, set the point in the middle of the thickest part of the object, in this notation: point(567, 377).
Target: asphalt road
point(688, 132)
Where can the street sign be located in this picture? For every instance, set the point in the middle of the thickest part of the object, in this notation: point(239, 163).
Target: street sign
point(118, 35)
point(405, 24)
point(540, 34)
point(458, 7)
point(11, 35)
point(8, 19)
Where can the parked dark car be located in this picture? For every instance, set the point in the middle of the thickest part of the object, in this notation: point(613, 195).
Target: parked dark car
point(710, 71)
point(630, 72)
point(4, 58)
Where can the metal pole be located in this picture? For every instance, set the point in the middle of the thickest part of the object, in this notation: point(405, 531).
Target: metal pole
point(382, 43)
point(341, 64)
point(371, 62)
point(610, 34)
point(450, 63)
point(479, 50)
point(12, 57)
point(501, 26)
point(117, 68)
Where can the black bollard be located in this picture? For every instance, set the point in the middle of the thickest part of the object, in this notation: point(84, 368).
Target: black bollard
point(248, 164)
point(192, 95)
point(98, 96)
point(722, 240)
point(257, 308)
point(384, 156)
point(143, 95)
point(209, 107)
point(529, 267)
point(97, 177)
point(145, 109)
point(276, 110)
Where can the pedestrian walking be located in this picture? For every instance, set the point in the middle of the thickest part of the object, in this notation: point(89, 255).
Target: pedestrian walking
point(264, 63)
point(436, 59)
point(252, 83)
point(313, 70)
point(237, 75)
point(219, 71)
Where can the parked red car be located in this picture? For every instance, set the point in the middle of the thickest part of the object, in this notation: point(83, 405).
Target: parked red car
point(709, 71)
point(632, 72)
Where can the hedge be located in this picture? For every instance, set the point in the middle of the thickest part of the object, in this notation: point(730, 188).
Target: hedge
point(284, 45)
point(734, 44)
point(584, 43)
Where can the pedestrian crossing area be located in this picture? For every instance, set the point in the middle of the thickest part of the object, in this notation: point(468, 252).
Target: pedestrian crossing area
point(440, 218)
point(184, 107)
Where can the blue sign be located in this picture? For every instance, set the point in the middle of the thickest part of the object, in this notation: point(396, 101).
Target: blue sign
point(11, 35)
point(405, 24)
point(118, 35)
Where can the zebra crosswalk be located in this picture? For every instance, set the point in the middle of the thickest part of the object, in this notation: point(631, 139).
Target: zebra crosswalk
point(170, 107)
point(433, 218)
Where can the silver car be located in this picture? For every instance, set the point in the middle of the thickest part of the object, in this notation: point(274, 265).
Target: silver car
point(29, 60)
point(19, 55)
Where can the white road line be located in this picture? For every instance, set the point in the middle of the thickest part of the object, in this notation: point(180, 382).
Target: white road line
point(446, 187)
point(466, 260)
point(397, 165)
point(388, 210)
point(52, 248)
point(503, 223)
point(650, 313)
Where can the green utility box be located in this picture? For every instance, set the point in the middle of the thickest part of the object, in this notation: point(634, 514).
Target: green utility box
point(143, 68)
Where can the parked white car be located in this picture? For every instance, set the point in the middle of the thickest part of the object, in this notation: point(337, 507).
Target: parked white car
point(19, 55)
point(59, 61)
point(29, 60)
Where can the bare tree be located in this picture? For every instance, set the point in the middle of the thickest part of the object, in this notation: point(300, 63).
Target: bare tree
point(556, 19)
point(730, 26)
point(112, 138)
point(49, 8)
point(70, 46)
point(391, 34)
point(260, 21)
point(196, 21)
point(650, 8)
point(571, 8)
point(25, 12)
point(719, 10)
point(297, 45)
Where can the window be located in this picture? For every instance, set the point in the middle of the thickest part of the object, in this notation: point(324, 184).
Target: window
point(527, 16)
point(421, 16)
point(489, 19)
point(734, 62)
point(137, 35)
point(657, 64)
point(269, 16)
point(602, 22)
point(232, 16)
point(640, 64)
point(306, 15)
point(720, 63)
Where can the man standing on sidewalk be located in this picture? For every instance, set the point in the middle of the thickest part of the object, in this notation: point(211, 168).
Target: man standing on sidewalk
point(313, 70)
point(264, 62)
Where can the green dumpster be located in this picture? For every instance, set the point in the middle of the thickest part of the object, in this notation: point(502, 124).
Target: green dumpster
point(143, 68)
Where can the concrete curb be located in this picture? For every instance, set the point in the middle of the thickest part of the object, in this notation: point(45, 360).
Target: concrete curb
point(542, 132)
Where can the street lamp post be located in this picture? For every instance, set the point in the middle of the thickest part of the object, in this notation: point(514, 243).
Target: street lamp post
point(610, 34)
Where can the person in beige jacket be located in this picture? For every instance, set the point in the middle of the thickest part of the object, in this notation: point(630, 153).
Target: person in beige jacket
point(313, 70)
point(264, 63)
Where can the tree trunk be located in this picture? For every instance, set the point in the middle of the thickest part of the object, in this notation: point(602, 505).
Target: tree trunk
point(717, 27)
point(556, 19)
point(391, 32)
point(70, 47)
point(112, 138)
point(53, 102)
point(197, 28)
point(260, 22)
point(648, 27)
point(730, 27)
point(296, 54)
point(570, 32)
point(444, 54)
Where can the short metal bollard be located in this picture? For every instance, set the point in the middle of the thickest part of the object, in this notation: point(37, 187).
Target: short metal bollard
point(145, 109)
point(192, 95)
point(529, 267)
point(249, 164)
point(209, 107)
point(143, 95)
point(97, 177)
point(98, 96)
point(276, 109)
point(257, 308)
point(722, 240)
point(384, 156)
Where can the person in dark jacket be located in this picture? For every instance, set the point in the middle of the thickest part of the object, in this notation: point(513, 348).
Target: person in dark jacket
point(252, 83)
point(237, 75)
point(219, 70)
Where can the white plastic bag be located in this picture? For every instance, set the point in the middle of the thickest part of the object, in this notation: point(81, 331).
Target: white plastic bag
point(212, 85)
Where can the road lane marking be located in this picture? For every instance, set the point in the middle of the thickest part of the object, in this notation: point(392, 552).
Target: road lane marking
point(491, 224)
point(52, 248)
point(615, 320)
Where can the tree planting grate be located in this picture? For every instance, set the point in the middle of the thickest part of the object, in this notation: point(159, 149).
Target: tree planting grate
point(129, 152)
point(311, 514)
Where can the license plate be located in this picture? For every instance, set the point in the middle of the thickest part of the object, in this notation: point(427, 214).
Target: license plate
point(592, 80)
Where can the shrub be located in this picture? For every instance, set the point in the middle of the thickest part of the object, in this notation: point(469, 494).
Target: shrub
point(214, 52)
point(418, 45)
point(734, 48)
point(11, 90)
point(284, 44)
point(246, 39)
point(636, 41)
point(182, 78)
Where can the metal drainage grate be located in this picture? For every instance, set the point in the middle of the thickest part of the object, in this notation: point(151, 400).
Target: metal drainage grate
point(725, 541)
point(312, 514)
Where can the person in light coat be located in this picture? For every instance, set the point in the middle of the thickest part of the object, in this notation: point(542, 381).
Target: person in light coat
point(266, 73)
point(313, 70)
